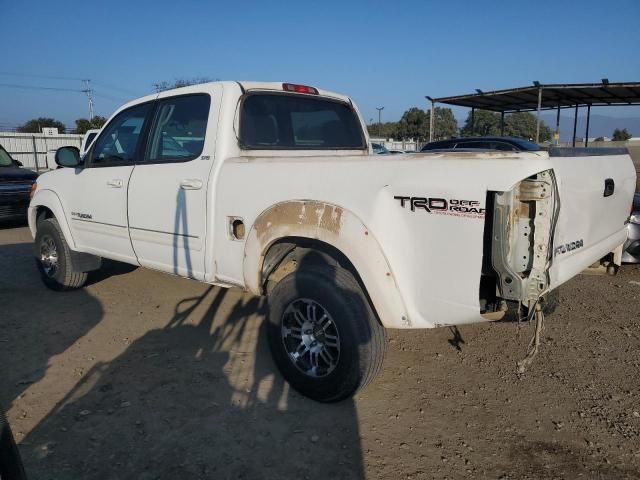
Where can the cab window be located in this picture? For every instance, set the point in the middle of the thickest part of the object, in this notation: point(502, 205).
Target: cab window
point(119, 140)
point(276, 121)
point(178, 129)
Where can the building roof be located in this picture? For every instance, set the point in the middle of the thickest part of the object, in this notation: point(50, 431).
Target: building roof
point(554, 95)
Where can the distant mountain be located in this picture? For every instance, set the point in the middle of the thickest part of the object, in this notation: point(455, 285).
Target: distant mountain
point(599, 125)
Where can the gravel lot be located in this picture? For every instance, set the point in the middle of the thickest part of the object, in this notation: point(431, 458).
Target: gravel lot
point(143, 375)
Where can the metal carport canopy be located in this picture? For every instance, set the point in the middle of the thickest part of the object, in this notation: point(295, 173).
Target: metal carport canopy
point(550, 96)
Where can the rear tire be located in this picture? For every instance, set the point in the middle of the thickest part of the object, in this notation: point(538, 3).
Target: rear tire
point(53, 258)
point(324, 336)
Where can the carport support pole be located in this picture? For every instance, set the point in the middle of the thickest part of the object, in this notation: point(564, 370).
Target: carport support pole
point(432, 121)
point(557, 135)
point(538, 115)
point(586, 134)
point(575, 125)
point(473, 121)
point(502, 124)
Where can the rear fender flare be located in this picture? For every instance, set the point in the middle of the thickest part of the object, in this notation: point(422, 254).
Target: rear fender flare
point(339, 228)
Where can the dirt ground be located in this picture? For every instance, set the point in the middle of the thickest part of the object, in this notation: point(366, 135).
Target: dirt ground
point(143, 375)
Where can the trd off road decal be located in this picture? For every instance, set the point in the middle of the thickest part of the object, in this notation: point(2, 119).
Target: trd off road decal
point(443, 206)
point(568, 247)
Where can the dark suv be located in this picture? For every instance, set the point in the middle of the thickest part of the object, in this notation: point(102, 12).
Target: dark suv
point(15, 187)
point(505, 144)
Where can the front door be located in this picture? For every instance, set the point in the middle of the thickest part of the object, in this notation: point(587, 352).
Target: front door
point(97, 200)
point(168, 188)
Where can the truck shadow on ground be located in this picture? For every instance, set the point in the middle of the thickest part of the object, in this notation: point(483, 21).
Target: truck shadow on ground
point(35, 323)
point(198, 398)
point(109, 269)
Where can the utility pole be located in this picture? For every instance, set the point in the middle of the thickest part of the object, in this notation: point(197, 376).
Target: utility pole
point(379, 119)
point(89, 92)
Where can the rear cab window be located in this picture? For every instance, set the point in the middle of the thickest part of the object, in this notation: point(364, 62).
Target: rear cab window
point(281, 121)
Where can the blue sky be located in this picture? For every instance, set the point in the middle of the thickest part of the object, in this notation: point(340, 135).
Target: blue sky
point(387, 54)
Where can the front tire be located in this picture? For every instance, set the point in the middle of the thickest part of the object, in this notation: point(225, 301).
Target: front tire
point(324, 336)
point(53, 258)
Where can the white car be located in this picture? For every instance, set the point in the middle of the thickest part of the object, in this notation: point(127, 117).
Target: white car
point(273, 188)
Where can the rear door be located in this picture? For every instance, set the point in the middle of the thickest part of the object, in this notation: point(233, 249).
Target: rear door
point(168, 188)
point(596, 187)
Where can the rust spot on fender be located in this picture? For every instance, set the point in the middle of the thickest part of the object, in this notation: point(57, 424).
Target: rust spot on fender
point(305, 215)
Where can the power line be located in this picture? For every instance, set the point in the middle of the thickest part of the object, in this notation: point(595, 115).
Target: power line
point(120, 89)
point(33, 75)
point(108, 97)
point(87, 90)
point(37, 87)
point(75, 79)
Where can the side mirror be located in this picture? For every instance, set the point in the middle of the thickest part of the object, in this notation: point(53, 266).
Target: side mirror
point(68, 157)
point(19, 163)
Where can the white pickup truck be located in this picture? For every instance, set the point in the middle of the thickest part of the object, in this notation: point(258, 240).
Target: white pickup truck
point(273, 188)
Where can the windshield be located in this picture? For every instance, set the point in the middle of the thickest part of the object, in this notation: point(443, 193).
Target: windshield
point(5, 159)
point(272, 121)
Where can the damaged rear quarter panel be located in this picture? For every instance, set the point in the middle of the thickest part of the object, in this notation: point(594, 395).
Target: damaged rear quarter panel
point(435, 259)
point(335, 226)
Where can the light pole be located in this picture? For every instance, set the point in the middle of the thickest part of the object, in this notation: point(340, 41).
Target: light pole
point(379, 119)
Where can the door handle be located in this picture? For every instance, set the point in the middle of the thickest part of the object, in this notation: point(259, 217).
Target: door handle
point(115, 183)
point(190, 184)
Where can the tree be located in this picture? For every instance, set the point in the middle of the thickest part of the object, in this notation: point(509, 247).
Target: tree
point(446, 125)
point(413, 124)
point(179, 83)
point(36, 125)
point(383, 130)
point(484, 123)
point(82, 124)
point(523, 125)
point(519, 124)
point(620, 135)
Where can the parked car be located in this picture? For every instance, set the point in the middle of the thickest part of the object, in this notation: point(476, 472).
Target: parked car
point(272, 188)
point(631, 249)
point(379, 149)
point(15, 187)
point(508, 144)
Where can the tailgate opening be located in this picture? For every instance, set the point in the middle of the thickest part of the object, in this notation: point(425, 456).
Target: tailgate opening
point(518, 242)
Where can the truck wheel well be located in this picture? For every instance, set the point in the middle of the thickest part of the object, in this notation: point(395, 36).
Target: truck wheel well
point(42, 213)
point(284, 256)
